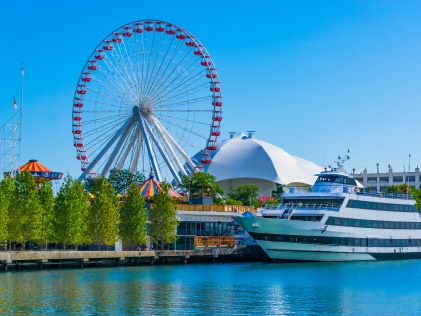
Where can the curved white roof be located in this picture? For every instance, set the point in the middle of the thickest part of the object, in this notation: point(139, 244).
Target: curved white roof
point(244, 157)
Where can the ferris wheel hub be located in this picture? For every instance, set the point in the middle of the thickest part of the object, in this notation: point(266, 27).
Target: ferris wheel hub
point(144, 109)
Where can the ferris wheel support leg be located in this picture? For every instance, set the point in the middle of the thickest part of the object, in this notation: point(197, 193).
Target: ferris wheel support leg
point(176, 145)
point(123, 157)
point(164, 155)
point(105, 149)
point(168, 145)
point(117, 149)
point(149, 147)
point(135, 159)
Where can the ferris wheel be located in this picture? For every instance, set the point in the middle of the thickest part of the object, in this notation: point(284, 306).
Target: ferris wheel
point(148, 99)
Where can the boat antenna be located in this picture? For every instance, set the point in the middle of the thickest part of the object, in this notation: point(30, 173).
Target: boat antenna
point(341, 161)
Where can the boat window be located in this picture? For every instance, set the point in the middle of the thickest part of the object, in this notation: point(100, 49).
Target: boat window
point(378, 206)
point(311, 218)
point(336, 179)
point(365, 223)
point(342, 241)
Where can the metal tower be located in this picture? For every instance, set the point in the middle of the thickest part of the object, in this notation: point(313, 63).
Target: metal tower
point(11, 137)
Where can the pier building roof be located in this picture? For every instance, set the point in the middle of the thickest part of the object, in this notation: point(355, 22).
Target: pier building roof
point(243, 156)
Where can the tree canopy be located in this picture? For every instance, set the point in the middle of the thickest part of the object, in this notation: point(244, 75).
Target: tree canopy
point(47, 201)
point(163, 218)
point(246, 193)
point(123, 179)
point(27, 214)
point(104, 216)
point(201, 184)
point(71, 214)
point(133, 218)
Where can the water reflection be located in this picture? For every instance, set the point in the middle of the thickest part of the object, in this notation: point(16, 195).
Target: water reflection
point(240, 289)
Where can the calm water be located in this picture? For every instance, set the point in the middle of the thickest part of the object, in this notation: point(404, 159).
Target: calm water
point(389, 288)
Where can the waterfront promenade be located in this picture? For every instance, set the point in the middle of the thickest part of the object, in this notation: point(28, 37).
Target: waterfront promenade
point(51, 259)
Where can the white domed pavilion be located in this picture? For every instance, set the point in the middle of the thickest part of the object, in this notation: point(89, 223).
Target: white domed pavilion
point(242, 159)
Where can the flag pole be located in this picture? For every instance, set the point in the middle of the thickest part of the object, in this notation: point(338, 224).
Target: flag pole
point(22, 74)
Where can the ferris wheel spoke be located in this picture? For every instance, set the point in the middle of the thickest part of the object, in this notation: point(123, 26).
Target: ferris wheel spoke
point(187, 110)
point(121, 61)
point(183, 129)
point(97, 102)
point(105, 149)
point(112, 89)
point(119, 78)
point(160, 66)
point(143, 63)
point(191, 91)
point(187, 121)
point(104, 134)
point(117, 148)
point(132, 71)
point(128, 90)
point(163, 154)
point(174, 143)
point(156, 55)
point(165, 71)
point(111, 72)
point(127, 149)
point(87, 122)
point(149, 61)
point(135, 158)
point(189, 101)
point(165, 89)
point(149, 147)
point(170, 73)
point(171, 150)
point(114, 82)
point(109, 96)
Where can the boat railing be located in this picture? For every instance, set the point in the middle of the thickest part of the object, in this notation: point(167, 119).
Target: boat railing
point(350, 190)
point(306, 206)
point(389, 195)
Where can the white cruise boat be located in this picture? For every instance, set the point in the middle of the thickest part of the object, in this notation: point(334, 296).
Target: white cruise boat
point(338, 221)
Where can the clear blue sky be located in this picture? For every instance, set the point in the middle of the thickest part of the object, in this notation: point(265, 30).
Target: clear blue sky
point(314, 77)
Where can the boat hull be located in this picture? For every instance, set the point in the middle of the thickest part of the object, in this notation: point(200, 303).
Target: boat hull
point(282, 240)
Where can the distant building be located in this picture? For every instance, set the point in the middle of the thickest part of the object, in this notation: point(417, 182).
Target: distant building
point(243, 159)
point(379, 181)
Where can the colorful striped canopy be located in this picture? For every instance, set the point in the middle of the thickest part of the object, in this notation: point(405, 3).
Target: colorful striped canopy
point(150, 187)
point(40, 172)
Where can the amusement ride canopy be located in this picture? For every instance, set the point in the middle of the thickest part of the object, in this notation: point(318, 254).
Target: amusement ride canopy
point(39, 171)
point(148, 98)
point(150, 187)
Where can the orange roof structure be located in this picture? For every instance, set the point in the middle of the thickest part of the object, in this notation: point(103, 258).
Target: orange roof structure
point(39, 171)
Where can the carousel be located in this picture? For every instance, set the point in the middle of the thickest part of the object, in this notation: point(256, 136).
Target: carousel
point(150, 187)
point(39, 171)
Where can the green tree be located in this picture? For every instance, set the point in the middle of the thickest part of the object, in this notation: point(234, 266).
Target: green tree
point(233, 202)
point(46, 197)
point(133, 218)
point(71, 214)
point(400, 188)
point(404, 189)
point(163, 219)
point(123, 179)
point(201, 184)
point(4, 216)
point(8, 188)
point(104, 216)
point(26, 215)
point(246, 193)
